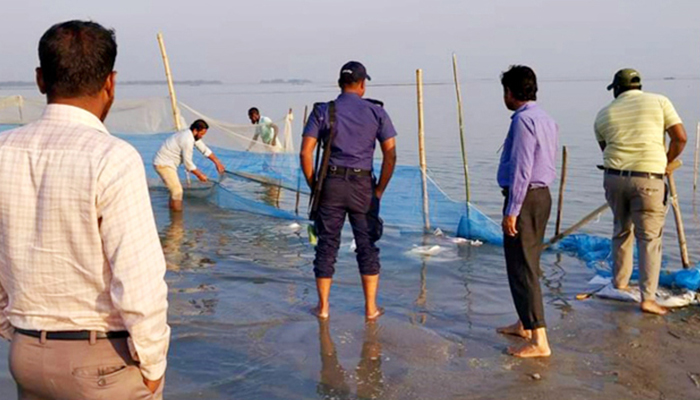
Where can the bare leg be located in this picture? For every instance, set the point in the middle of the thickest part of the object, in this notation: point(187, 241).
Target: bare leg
point(517, 329)
point(175, 205)
point(323, 287)
point(370, 283)
point(652, 307)
point(537, 347)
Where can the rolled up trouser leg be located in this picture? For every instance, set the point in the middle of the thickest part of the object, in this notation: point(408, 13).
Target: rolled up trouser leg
point(171, 180)
point(367, 227)
point(329, 225)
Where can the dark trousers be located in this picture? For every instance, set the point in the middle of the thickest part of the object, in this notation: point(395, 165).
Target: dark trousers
point(523, 256)
point(352, 196)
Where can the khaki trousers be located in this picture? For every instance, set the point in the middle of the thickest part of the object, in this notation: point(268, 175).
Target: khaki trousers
point(638, 207)
point(171, 180)
point(76, 370)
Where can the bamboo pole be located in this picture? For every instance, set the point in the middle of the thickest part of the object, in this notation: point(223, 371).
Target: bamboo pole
point(682, 244)
point(562, 184)
point(421, 149)
point(171, 87)
point(296, 207)
point(577, 225)
point(460, 117)
point(697, 155)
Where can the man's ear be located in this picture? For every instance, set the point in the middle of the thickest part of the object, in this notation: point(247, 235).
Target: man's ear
point(40, 80)
point(110, 83)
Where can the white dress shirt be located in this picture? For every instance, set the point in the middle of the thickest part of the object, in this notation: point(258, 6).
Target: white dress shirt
point(79, 249)
point(177, 149)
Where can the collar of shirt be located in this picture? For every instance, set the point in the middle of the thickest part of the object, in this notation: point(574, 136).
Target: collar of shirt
point(629, 93)
point(346, 95)
point(526, 106)
point(64, 112)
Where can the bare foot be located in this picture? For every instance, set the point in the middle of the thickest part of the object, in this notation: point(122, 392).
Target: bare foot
point(516, 330)
point(625, 288)
point(374, 316)
point(316, 311)
point(530, 350)
point(651, 307)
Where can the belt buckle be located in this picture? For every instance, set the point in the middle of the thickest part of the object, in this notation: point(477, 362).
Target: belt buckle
point(333, 168)
point(356, 170)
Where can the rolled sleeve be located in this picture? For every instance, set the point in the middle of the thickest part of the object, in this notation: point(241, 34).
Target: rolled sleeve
point(187, 151)
point(203, 148)
point(316, 122)
point(522, 160)
point(132, 249)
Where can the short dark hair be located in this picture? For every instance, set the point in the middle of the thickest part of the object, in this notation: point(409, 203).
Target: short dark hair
point(76, 57)
point(253, 110)
point(198, 125)
point(521, 81)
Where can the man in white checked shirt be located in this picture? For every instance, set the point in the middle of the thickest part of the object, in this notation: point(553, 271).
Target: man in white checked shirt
point(82, 292)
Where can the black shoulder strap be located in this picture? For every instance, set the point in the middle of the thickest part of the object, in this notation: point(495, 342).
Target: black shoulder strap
point(377, 102)
point(322, 172)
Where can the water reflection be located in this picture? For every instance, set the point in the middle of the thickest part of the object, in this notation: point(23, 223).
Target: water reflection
point(369, 378)
point(173, 238)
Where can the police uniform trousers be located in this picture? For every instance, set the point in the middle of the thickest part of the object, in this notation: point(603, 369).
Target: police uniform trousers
point(523, 256)
point(351, 196)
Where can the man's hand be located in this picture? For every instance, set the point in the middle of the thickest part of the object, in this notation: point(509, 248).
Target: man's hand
point(508, 225)
point(152, 385)
point(378, 194)
point(200, 175)
point(220, 168)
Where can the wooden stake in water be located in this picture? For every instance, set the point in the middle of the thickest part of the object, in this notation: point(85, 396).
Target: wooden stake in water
point(421, 149)
point(296, 207)
point(697, 154)
point(171, 91)
point(171, 87)
point(562, 185)
point(588, 218)
point(460, 118)
point(673, 194)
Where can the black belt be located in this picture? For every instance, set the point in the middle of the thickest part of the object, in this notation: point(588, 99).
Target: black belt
point(505, 190)
point(636, 174)
point(74, 335)
point(333, 170)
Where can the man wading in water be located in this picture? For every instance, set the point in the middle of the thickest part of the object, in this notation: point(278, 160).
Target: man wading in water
point(352, 126)
point(525, 173)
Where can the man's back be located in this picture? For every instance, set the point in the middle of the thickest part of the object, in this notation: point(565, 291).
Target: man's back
point(359, 124)
point(73, 228)
point(633, 127)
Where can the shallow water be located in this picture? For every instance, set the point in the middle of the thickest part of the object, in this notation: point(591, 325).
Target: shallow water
point(241, 284)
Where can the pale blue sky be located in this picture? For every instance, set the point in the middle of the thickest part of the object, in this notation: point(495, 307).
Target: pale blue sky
point(238, 41)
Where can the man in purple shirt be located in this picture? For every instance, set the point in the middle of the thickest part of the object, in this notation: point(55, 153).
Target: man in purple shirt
point(349, 188)
point(525, 172)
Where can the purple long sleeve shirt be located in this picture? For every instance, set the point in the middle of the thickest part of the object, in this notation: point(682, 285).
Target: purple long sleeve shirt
point(529, 153)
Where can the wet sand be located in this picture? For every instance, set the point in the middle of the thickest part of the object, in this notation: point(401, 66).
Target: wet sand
point(241, 286)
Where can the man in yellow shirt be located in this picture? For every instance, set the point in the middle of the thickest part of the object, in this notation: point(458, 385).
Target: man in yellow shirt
point(630, 131)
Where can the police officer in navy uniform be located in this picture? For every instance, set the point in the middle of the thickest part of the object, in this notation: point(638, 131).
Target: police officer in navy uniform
point(350, 188)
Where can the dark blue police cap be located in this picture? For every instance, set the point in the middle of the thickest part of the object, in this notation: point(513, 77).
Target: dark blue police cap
point(353, 71)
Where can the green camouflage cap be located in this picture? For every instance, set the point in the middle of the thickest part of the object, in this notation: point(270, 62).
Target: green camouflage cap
point(626, 78)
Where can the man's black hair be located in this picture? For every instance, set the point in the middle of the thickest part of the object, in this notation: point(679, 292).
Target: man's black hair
point(76, 57)
point(198, 125)
point(253, 110)
point(521, 81)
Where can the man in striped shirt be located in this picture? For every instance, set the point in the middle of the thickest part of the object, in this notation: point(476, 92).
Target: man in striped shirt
point(630, 132)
